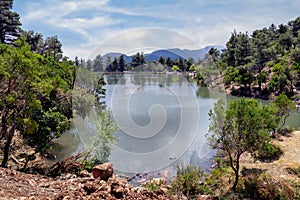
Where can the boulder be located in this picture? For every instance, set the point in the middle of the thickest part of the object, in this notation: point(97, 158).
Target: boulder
point(103, 171)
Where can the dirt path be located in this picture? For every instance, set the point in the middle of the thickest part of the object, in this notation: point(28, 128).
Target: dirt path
point(290, 158)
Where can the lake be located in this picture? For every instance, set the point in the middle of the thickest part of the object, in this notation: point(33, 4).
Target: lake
point(163, 119)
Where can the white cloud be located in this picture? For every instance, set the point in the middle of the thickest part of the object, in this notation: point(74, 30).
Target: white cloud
point(144, 39)
point(206, 22)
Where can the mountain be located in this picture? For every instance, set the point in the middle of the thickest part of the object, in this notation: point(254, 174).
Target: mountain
point(117, 55)
point(172, 53)
point(195, 54)
point(164, 53)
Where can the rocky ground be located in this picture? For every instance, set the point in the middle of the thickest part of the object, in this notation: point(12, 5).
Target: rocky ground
point(102, 184)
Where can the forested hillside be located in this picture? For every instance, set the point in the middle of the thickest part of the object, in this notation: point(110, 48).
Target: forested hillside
point(263, 63)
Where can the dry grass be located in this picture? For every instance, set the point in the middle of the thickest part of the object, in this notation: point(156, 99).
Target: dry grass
point(278, 168)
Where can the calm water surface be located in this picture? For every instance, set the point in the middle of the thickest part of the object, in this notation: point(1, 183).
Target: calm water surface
point(136, 94)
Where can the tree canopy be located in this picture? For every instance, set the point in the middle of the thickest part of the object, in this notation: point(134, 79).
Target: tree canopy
point(34, 95)
point(9, 22)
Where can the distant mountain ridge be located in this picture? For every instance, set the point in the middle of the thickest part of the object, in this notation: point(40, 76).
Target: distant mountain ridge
point(165, 53)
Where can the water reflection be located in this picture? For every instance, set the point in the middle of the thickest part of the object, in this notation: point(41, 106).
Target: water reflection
point(149, 89)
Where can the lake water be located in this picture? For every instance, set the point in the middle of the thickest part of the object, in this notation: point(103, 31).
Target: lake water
point(163, 119)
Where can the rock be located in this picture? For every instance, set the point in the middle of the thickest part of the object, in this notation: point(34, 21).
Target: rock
point(118, 192)
point(104, 171)
point(206, 197)
point(158, 181)
point(164, 189)
point(183, 197)
point(85, 173)
point(90, 187)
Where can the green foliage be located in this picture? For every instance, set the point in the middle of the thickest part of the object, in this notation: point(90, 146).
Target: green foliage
point(9, 22)
point(33, 95)
point(189, 181)
point(239, 128)
point(268, 57)
point(99, 147)
point(218, 180)
point(151, 186)
point(88, 92)
point(269, 152)
point(282, 107)
point(283, 78)
point(296, 186)
point(89, 162)
point(137, 60)
point(175, 68)
point(200, 80)
point(154, 184)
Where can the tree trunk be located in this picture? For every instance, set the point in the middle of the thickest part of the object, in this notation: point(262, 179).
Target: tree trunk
point(236, 180)
point(6, 148)
point(236, 172)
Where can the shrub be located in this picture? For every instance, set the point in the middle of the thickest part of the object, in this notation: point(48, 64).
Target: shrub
point(294, 171)
point(270, 152)
point(285, 131)
point(154, 184)
point(296, 186)
point(88, 163)
point(189, 182)
point(263, 186)
point(219, 180)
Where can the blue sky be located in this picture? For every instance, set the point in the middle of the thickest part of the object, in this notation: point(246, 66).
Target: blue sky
point(82, 25)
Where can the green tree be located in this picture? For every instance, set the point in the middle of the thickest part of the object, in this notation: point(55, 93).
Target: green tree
point(161, 60)
point(122, 63)
point(34, 96)
point(54, 47)
point(169, 62)
point(239, 128)
point(137, 60)
point(76, 61)
point(283, 107)
point(98, 64)
point(35, 40)
point(284, 77)
point(114, 65)
point(9, 22)
point(228, 55)
point(89, 65)
point(100, 144)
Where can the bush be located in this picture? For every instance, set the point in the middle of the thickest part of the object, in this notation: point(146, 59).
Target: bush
point(88, 163)
point(269, 153)
point(285, 131)
point(219, 180)
point(264, 187)
point(189, 182)
point(154, 184)
point(296, 186)
point(294, 171)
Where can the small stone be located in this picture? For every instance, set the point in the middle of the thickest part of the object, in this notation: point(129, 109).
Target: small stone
point(164, 189)
point(104, 171)
point(85, 173)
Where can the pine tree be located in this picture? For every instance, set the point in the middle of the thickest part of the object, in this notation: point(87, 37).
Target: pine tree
point(98, 64)
point(122, 63)
point(9, 22)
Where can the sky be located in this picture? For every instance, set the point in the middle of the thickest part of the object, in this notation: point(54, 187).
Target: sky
point(84, 25)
